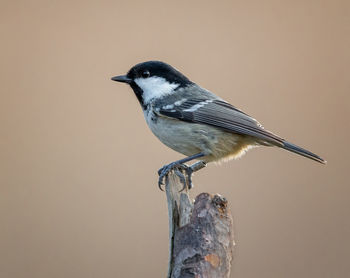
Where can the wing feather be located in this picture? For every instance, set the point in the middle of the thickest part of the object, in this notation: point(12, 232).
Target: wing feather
point(220, 114)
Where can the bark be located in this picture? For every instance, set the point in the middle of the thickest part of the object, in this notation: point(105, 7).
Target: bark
point(200, 233)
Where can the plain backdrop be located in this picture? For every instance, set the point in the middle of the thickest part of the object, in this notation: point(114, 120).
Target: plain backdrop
point(78, 173)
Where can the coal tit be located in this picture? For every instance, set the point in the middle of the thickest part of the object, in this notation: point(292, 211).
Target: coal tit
point(195, 122)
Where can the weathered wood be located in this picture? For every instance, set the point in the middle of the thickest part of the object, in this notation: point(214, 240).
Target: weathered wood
point(200, 233)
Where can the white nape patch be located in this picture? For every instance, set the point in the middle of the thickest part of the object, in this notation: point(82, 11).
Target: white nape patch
point(198, 105)
point(155, 87)
point(181, 101)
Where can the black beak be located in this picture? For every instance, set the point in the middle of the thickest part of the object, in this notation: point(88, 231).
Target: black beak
point(122, 78)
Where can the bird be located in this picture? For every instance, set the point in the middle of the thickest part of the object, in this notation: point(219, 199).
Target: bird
point(195, 122)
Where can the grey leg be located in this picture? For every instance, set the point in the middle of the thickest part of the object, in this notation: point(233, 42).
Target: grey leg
point(179, 164)
point(191, 169)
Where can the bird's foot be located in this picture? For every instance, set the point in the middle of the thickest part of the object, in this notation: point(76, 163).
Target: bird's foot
point(179, 169)
point(191, 169)
point(165, 170)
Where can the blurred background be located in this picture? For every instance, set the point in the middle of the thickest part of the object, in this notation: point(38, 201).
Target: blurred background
point(78, 173)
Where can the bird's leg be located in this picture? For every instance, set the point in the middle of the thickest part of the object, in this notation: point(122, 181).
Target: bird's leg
point(191, 169)
point(179, 164)
point(178, 172)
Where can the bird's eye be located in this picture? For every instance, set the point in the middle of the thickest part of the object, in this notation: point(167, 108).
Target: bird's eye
point(145, 74)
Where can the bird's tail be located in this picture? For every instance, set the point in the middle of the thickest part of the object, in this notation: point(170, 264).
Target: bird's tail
point(295, 149)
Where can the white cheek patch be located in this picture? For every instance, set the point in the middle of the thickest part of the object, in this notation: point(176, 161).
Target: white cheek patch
point(155, 87)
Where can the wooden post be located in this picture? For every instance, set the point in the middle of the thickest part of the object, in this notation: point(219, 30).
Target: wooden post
point(200, 233)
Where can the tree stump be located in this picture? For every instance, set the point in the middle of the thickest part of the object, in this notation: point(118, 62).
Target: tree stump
point(200, 233)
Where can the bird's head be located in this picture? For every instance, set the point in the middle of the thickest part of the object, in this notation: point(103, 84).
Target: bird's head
point(152, 80)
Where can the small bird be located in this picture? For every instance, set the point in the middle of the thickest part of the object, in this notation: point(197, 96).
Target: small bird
point(195, 122)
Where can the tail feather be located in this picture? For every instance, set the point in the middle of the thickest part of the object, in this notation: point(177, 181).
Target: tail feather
point(298, 150)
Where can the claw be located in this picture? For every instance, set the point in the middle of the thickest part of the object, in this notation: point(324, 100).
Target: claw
point(178, 168)
point(193, 168)
point(181, 177)
point(165, 170)
point(189, 173)
point(160, 171)
point(160, 183)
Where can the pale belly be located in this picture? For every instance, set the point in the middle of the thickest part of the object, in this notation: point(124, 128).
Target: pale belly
point(190, 138)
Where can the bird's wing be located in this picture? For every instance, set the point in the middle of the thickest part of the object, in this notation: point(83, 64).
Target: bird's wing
point(218, 113)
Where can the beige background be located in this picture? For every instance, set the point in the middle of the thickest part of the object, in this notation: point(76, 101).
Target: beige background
point(78, 195)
